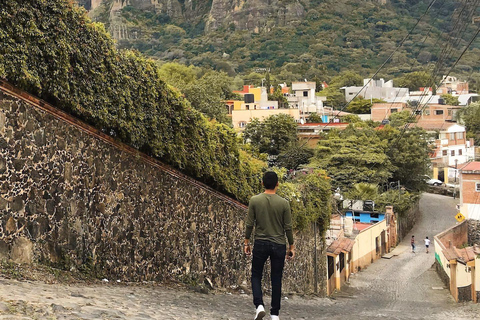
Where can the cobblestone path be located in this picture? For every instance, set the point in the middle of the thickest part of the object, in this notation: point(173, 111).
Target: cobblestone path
point(403, 287)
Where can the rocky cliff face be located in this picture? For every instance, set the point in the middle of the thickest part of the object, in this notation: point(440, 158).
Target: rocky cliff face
point(252, 15)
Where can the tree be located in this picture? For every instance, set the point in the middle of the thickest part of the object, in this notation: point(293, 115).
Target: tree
point(346, 79)
point(294, 155)
point(272, 135)
point(205, 93)
point(277, 95)
point(414, 80)
point(450, 100)
point(314, 118)
point(363, 191)
point(362, 106)
point(470, 116)
point(409, 153)
point(179, 75)
point(310, 199)
point(351, 118)
point(400, 119)
point(353, 156)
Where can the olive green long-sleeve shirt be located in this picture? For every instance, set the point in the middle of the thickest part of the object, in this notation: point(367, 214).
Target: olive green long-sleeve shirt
point(270, 215)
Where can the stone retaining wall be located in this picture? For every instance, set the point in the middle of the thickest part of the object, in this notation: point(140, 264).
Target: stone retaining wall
point(407, 221)
point(72, 197)
point(473, 232)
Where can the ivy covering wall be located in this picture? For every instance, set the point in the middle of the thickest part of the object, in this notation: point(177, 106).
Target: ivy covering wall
point(53, 50)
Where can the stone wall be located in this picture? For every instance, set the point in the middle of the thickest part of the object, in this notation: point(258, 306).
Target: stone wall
point(473, 232)
point(407, 221)
point(72, 197)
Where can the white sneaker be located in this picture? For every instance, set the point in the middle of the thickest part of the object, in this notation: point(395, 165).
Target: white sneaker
point(274, 317)
point(260, 313)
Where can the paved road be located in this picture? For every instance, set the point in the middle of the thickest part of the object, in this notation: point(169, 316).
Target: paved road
point(404, 287)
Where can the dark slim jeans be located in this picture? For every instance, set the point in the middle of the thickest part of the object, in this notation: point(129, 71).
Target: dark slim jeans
point(262, 250)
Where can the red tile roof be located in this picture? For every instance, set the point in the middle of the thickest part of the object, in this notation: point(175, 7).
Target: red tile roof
point(361, 226)
point(472, 166)
point(340, 245)
point(463, 255)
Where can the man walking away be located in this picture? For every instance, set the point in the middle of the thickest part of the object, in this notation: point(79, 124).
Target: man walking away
point(427, 243)
point(412, 242)
point(271, 217)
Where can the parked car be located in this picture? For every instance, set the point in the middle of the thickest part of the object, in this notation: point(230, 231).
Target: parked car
point(434, 182)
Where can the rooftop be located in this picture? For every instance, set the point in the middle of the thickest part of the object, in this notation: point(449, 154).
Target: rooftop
point(471, 167)
point(340, 245)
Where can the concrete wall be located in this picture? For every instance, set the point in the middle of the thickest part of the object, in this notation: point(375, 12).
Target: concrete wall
point(73, 197)
point(364, 250)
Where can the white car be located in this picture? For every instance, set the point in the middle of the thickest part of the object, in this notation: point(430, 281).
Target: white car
point(434, 182)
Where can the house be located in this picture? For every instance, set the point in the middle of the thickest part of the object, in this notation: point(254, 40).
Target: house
point(431, 117)
point(375, 89)
point(303, 97)
point(457, 251)
point(451, 85)
point(353, 243)
point(255, 104)
point(383, 111)
point(457, 256)
point(469, 177)
point(452, 149)
point(310, 132)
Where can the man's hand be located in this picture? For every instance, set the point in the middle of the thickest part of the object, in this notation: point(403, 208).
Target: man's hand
point(247, 249)
point(291, 252)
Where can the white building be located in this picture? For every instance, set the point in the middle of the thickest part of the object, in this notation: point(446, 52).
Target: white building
point(375, 89)
point(303, 98)
point(452, 149)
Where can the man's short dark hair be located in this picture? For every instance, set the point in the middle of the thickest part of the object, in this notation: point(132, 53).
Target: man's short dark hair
point(270, 180)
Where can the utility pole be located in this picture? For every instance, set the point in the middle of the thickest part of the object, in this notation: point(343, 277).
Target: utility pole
point(455, 185)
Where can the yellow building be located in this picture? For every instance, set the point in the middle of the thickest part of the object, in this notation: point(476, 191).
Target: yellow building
point(240, 118)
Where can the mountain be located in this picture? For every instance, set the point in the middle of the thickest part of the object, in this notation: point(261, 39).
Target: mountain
point(296, 39)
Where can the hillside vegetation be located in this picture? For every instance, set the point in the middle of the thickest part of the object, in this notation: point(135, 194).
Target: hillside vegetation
point(328, 37)
point(54, 51)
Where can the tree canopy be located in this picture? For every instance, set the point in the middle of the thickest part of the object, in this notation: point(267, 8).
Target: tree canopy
point(271, 135)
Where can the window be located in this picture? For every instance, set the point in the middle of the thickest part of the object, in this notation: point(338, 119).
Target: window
point(247, 107)
point(452, 136)
point(393, 110)
point(477, 186)
point(444, 153)
point(460, 152)
point(459, 135)
point(305, 93)
point(438, 112)
point(242, 124)
point(426, 112)
point(452, 153)
point(331, 266)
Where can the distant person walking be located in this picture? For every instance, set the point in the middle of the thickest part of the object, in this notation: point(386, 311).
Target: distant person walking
point(427, 243)
point(271, 217)
point(412, 242)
